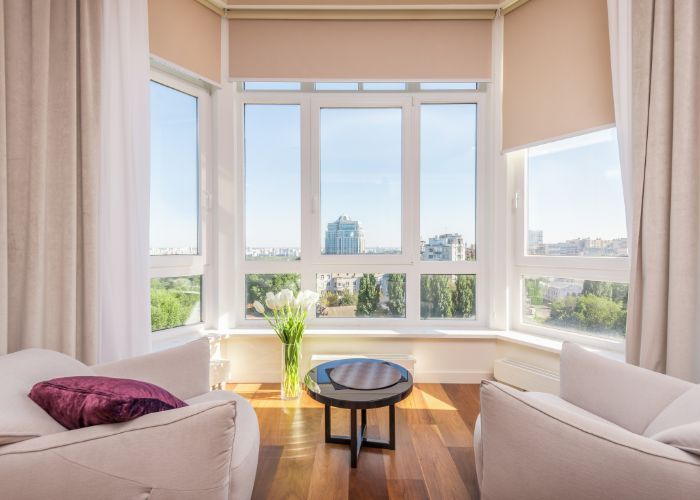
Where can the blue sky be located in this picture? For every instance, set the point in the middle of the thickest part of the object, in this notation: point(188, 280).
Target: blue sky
point(574, 185)
point(575, 188)
point(173, 168)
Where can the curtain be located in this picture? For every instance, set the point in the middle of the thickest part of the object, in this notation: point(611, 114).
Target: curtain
point(620, 31)
point(124, 296)
point(663, 324)
point(49, 173)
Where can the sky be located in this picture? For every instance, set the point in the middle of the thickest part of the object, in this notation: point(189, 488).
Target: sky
point(575, 187)
point(174, 168)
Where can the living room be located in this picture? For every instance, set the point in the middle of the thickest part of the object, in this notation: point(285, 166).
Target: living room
point(364, 249)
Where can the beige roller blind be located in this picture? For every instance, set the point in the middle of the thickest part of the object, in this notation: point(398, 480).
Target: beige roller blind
point(556, 70)
point(360, 50)
point(186, 33)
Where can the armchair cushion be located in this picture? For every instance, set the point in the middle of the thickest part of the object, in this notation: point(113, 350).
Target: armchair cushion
point(686, 437)
point(20, 417)
point(77, 402)
point(685, 409)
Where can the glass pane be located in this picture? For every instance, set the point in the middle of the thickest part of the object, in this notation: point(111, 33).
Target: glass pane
point(361, 180)
point(175, 302)
point(257, 286)
point(273, 181)
point(448, 86)
point(575, 204)
point(336, 86)
point(174, 223)
point(384, 86)
point(361, 295)
point(448, 182)
point(591, 307)
point(272, 86)
point(448, 296)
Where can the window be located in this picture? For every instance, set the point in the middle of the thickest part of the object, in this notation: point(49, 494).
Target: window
point(348, 192)
point(361, 295)
point(448, 182)
point(572, 245)
point(361, 180)
point(175, 302)
point(272, 181)
point(272, 86)
point(575, 204)
point(448, 86)
point(174, 172)
point(179, 141)
point(257, 287)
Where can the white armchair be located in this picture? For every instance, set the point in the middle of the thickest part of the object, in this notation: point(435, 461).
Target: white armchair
point(593, 442)
point(207, 450)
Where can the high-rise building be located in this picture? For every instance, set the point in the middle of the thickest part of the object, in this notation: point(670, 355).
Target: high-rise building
point(444, 247)
point(345, 237)
point(535, 243)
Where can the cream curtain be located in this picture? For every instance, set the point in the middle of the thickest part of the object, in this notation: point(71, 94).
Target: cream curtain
point(124, 294)
point(49, 172)
point(663, 325)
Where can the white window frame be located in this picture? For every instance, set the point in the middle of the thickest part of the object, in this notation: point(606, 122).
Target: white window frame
point(409, 262)
point(614, 269)
point(174, 266)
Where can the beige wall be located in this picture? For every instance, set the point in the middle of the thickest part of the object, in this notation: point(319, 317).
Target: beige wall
point(186, 33)
point(556, 70)
point(360, 50)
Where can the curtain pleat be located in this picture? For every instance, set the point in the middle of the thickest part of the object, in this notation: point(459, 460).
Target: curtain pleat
point(663, 324)
point(49, 175)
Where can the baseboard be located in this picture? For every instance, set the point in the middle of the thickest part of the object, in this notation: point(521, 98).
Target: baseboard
point(453, 377)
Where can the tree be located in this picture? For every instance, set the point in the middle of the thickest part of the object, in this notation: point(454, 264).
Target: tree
point(258, 285)
point(426, 296)
point(464, 296)
point(368, 297)
point(443, 306)
point(173, 300)
point(535, 291)
point(597, 288)
point(397, 295)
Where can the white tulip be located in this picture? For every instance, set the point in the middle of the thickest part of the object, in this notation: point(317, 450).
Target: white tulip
point(285, 297)
point(271, 301)
point(259, 307)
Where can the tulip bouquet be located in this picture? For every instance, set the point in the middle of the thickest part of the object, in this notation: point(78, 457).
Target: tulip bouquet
point(287, 317)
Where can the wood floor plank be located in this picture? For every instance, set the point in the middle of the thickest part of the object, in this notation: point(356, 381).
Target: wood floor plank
point(440, 473)
point(407, 489)
point(433, 457)
point(464, 460)
point(452, 428)
point(329, 479)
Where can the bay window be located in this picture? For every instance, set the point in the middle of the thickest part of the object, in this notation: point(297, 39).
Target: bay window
point(571, 258)
point(179, 114)
point(374, 195)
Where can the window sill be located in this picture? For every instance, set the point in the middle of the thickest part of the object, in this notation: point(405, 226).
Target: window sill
point(531, 340)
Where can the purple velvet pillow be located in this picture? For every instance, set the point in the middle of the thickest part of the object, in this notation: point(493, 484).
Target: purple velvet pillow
point(83, 401)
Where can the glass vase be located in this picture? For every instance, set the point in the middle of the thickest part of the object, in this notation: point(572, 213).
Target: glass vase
point(291, 382)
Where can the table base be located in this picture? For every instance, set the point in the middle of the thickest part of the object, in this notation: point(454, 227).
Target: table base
point(357, 442)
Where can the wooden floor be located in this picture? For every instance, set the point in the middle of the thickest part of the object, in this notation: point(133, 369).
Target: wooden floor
point(433, 458)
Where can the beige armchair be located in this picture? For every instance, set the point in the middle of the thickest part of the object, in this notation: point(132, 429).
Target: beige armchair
point(591, 443)
point(208, 450)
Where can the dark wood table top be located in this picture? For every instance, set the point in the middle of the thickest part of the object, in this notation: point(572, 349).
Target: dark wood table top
point(324, 388)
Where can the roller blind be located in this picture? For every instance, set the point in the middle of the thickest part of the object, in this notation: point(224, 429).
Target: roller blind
point(360, 50)
point(186, 33)
point(556, 71)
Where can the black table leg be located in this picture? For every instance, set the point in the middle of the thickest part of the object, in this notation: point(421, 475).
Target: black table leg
point(357, 442)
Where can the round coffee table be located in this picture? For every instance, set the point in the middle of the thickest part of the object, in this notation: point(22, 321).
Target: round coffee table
point(320, 385)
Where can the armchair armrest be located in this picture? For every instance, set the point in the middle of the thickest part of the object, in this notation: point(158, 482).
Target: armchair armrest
point(182, 370)
point(183, 453)
point(621, 393)
point(532, 449)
